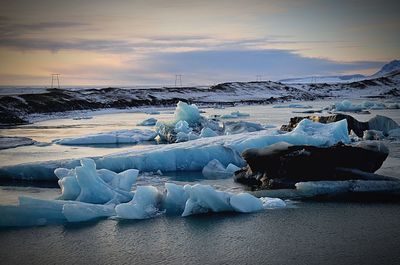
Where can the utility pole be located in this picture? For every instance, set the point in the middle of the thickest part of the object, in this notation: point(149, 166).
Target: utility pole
point(55, 77)
point(178, 80)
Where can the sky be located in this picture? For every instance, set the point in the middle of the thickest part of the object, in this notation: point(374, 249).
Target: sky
point(126, 43)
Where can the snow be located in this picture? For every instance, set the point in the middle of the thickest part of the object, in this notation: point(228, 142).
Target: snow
point(148, 122)
point(193, 155)
point(115, 137)
point(145, 204)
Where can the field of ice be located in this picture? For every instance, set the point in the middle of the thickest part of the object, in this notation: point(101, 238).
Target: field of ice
point(139, 180)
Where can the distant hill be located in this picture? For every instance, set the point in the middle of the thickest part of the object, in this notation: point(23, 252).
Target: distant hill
point(385, 70)
point(388, 68)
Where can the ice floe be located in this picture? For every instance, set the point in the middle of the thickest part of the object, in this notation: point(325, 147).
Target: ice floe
point(148, 122)
point(193, 155)
point(114, 137)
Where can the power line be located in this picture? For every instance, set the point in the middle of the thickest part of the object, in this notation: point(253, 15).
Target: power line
point(178, 80)
point(55, 77)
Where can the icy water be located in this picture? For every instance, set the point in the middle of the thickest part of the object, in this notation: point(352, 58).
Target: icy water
point(304, 233)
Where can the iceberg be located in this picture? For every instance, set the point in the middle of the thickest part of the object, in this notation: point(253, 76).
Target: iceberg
point(148, 122)
point(234, 127)
point(348, 106)
point(215, 170)
point(174, 199)
point(38, 212)
point(204, 199)
point(186, 112)
point(272, 203)
point(296, 106)
point(145, 204)
point(193, 155)
point(246, 203)
point(114, 137)
point(234, 115)
point(207, 132)
point(85, 184)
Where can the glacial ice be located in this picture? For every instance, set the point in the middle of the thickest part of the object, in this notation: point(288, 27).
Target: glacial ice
point(382, 123)
point(294, 105)
point(329, 188)
point(186, 112)
point(204, 198)
point(272, 203)
point(234, 115)
point(145, 204)
point(81, 212)
point(174, 199)
point(193, 155)
point(85, 184)
point(114, 137)
point(207, 132)
point(395, 133)
point(245, 203)
point(236, 127)
point(148, 122)
point(347, 105)
point(215, 170)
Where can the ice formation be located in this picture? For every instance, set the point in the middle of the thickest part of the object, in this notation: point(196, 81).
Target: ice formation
point(114, 137)
point(145, 204)
point(234, 127)
point(207, 132)
point(246, 203)
point(234, 115)
point(215, 170)
point(85, 184)
point(294, 105)
point(148, 122)
point(148, 202)
point(186, 112)
point(347, 105)
point(193, 155)
point(318, 188)
point(395, 133)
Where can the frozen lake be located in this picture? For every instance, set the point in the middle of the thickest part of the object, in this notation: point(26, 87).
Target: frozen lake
point(304, 233)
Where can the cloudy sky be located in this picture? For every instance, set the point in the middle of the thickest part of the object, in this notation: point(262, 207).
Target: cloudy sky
point(148, 42)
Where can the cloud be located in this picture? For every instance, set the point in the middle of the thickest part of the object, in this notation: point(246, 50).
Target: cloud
point(8, 28)
point(246, 64)
point(107, 46)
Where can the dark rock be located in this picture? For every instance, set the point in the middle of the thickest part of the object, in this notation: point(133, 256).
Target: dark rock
point(282, 165)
